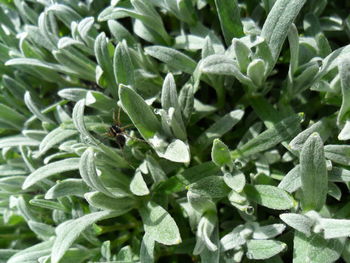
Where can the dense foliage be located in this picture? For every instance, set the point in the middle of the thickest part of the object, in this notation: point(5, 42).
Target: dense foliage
point(174, 131)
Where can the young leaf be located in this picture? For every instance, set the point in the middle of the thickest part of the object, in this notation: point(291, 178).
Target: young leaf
point(159, 225)
point(68, 187)
point(281, 16)
point(335, 228)
point(314, 179)
point(211, 186)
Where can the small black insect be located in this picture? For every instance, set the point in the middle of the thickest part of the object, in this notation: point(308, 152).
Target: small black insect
point(117, 131)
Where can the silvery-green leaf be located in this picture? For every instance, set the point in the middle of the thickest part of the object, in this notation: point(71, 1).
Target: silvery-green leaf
point(211, 186)
point(105, 61)
point(159, 224)
point(279, 132)
point(345, 132)
point(138, 185)
point(338, 153)
point(88, 172)
point(205, 230)
point(230, 19)
point(67, 187)
point(120, 205)
point(54, 137)
point(32, 253)
point(339, 175)
point(269, 231)
point(139, 112)
point(186, 101)
point(299, 222)
point(233, 239)
point(44, 231)
point(344, 71)
point(264, 249)
point(200, 203)
point(291, 181)
point(51, 169)
point(220, 154)
point(155, 169)
point(120, 33)
point(223, 65)
point(278, 21)
point(219, 128)
point(6, 169)
point(17, 140)
point(173, 58)
point(313, 171)
point(177, 151)
point(147, 249)
point(235, 180)
point(316, 249)
point(122, 65)
point(322, 127)
point(73, 94)
point(47, 204)
point(335, 228)
point(69, 231)
point(269, 196)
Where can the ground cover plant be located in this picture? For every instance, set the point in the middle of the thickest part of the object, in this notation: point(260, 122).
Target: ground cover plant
point(174, 131)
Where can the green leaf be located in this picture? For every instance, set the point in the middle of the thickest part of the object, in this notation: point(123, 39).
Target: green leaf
point(338, 153)
point(11, 116)
point(159, 225)
point(264, 249)
point(120, 205)
point(314, 179)
point(269, 196)
point(139, 112)
point(147, 249)
point(211, 186)
point(33, 253)
point(88, 172)
point(68, 187)
point(105, 61)
point(344, 71)
point(235, 180)
point(335, 228)
point(34, 108)
point(278, 21)
point(122, 65)
point(17, 140)
point(51, 169)
point(175, 59)
point(316, 249)
point(230, 19)
point(177, 151)
point(281, 131)
point(219, 128)
point(223, 65)
point(220, 154)
point(54, 137)
point(299, 222)
point(69, 231)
